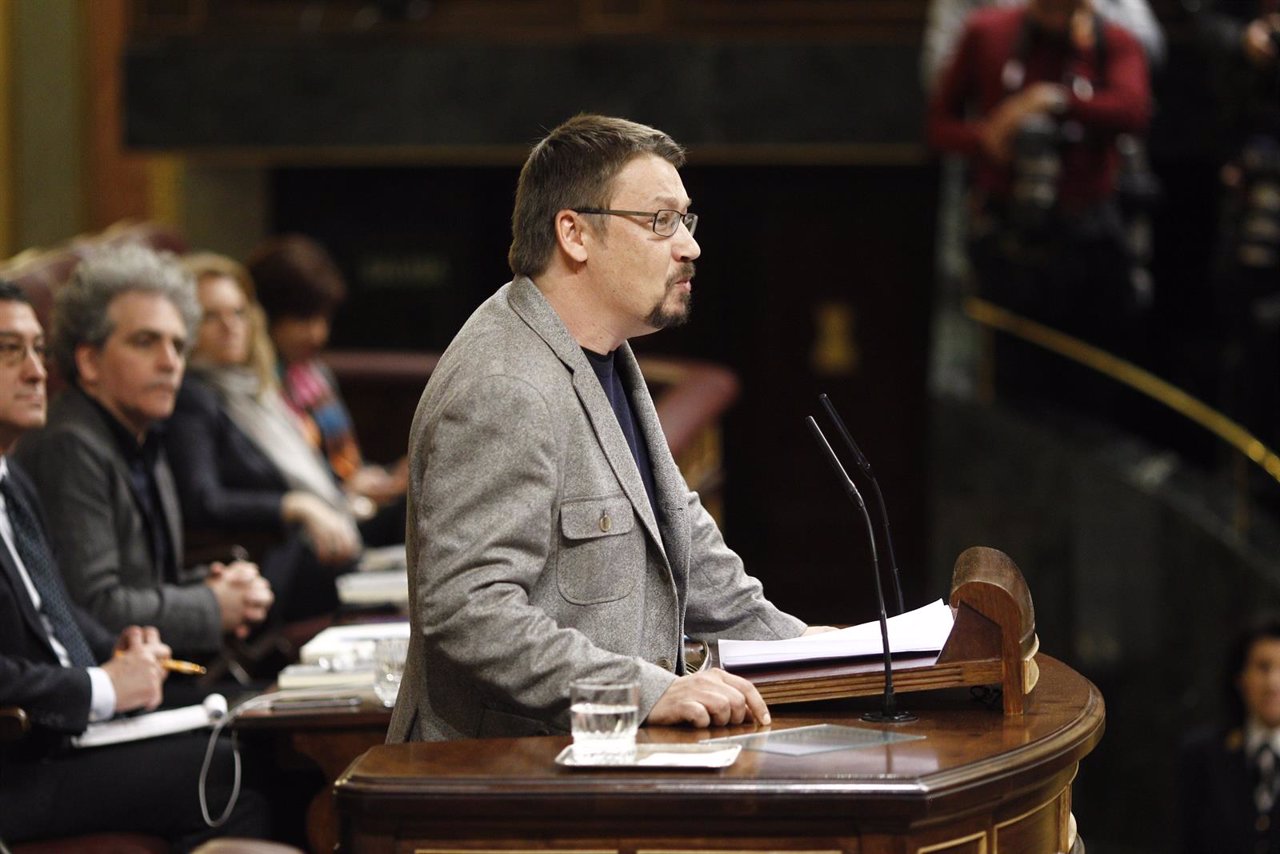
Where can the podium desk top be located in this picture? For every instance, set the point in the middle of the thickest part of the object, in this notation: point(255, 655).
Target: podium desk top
point(971, 755)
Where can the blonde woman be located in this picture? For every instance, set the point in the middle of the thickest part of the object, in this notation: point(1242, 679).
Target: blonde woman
point(241, 462)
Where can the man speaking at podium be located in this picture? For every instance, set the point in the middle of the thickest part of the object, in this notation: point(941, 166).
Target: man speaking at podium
point(551, 536)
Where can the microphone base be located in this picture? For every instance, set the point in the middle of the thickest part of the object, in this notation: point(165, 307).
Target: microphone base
point(888, 717)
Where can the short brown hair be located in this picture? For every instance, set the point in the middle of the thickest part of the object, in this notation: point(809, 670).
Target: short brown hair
point(574, 166)
point(296, 277)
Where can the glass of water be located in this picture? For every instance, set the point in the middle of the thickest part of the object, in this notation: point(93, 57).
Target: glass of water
point(604, 716)
point(389, 655)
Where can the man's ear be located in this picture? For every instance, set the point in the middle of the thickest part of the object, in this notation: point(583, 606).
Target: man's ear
point(570, 236)
point(87, 357)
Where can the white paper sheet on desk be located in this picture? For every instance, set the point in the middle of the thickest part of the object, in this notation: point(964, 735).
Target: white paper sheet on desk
point(378, 587)
point(153, 724)
point(351, 644)
point(922, 630)
point(383, 559)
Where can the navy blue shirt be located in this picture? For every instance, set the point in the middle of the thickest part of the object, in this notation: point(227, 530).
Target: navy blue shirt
point(621, 403)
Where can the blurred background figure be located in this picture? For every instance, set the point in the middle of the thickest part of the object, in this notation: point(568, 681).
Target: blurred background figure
point(945, 20)
point(1242, 38)
point(952, 369)
point(244, 471)
point(1034, 99)
point(300, 287)
point(1229, 777)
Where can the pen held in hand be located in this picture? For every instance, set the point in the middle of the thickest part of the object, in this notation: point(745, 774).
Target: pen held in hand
point(174, 665)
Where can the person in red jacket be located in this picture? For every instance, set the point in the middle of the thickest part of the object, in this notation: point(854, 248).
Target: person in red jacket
point(1035, 99)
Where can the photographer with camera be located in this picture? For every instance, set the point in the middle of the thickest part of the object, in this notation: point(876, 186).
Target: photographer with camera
point(1035, 98)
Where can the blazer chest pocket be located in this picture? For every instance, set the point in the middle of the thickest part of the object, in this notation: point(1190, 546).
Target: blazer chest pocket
point(602, 556)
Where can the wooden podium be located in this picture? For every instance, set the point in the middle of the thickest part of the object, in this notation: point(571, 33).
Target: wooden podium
point(993, 643)
point(976, 782)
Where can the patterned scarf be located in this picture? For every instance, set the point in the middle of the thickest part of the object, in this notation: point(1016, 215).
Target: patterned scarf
point(309, 390)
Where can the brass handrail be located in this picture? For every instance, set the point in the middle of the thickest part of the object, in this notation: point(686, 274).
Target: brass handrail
point(1250, 446)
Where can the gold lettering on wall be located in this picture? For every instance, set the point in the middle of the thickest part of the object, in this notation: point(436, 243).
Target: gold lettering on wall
point(835, 351)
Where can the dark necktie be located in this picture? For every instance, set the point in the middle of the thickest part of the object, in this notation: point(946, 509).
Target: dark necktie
point(34, 551)
point(1264, 794)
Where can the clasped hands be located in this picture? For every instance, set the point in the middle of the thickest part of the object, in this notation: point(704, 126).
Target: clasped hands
point(243, 595)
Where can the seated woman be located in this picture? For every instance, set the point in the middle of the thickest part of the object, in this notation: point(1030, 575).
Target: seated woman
point(299, 286)
point(241, 463)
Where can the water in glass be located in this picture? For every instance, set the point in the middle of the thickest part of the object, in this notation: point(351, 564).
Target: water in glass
point(604, 718)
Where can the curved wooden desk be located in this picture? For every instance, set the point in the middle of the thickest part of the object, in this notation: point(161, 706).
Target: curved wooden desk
point(979, 783)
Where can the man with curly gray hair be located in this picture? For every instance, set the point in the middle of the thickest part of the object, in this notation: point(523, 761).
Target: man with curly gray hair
point(120, 340)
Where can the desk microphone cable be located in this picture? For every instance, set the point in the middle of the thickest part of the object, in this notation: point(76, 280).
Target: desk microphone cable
point(222, 717)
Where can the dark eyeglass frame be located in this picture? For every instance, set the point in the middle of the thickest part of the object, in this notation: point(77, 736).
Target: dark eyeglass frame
point(690, 220)
point(15, 352)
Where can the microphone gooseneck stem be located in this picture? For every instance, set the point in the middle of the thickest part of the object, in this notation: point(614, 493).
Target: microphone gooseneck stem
point(888, 544)
point(888, 706)
point(865, 464)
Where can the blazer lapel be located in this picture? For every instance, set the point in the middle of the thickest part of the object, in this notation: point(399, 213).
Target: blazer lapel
point(23, 597)
point(527, 301)
point(670, 489)
point(171, 509)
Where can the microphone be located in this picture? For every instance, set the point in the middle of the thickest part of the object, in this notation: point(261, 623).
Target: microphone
point(865, 465)
point(888, 708)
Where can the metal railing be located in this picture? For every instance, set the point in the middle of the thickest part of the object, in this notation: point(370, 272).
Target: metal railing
point(1249, 447)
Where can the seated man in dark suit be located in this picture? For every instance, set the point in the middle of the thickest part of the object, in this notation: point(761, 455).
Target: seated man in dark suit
point(1229, 777)
point(66, 670)
point(120, 338)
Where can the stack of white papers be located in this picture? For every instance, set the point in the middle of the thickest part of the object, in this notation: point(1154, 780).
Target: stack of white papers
point(383, 559)
point(922, 630)
point(342, 647)
point(374, 587)
point(323, 676)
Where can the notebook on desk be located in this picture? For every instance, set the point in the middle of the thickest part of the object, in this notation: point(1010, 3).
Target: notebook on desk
point(153, 724)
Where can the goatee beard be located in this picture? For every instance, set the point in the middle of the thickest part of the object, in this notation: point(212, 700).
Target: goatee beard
point(663, 317)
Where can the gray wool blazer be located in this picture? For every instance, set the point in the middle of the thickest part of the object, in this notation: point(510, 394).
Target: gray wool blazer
point(535, 557)
point(97, 532)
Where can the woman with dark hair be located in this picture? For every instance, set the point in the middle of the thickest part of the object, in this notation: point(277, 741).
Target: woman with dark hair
point(1229, 780)
point(299, 287)
point(241, 462)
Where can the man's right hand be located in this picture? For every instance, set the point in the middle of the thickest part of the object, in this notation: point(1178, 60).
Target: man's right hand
point(709, 698)
point(136, 675)
point(243, 595)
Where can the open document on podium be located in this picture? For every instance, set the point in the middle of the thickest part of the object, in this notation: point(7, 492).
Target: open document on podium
point(922, 630)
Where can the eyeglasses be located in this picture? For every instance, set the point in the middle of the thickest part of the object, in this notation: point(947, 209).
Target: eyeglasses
point(664, 222)
point(14, 353)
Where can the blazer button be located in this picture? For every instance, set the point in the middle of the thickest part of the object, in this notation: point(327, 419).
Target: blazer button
point(666, 664)
point(605, 522)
